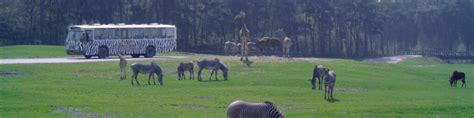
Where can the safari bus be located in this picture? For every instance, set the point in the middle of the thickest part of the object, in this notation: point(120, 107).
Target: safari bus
point(120, 39)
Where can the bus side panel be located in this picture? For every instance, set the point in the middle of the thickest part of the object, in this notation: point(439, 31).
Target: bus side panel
point(130, 46)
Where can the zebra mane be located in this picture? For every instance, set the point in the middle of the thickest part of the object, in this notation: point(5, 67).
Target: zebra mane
point(223, 65)
point(269, 103)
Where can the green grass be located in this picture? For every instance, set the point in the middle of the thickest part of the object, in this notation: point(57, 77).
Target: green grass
point(32, 51)
point(362, 90)
point(45, 51)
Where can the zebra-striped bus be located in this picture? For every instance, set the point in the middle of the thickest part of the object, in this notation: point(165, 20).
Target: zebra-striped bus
point(135, 40)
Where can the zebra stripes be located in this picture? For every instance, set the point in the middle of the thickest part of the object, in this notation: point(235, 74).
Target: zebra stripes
point(242, 109)
point(126, 46)
point(318, 75)
point(329, 83)
point(130, 46)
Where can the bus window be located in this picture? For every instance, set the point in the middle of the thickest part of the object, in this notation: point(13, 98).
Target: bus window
point(116, 34)
point(162, 33)
point(169, 33)
point(148, 33)
point(89, 35)
point(124, 34)
point(99, 34)
point(156, 33)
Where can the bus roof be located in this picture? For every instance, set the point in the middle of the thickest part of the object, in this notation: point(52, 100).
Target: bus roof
point(107, 26)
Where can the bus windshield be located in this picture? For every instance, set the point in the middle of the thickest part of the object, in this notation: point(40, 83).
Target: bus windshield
point(74, 35)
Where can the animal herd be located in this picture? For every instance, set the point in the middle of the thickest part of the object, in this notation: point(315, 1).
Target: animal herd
point(154, 69)
point(323, 78)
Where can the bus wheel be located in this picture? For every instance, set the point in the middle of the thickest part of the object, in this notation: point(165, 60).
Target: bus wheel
point(87, 56)
point(150, 52)
point(135, 55)
point(103, 52)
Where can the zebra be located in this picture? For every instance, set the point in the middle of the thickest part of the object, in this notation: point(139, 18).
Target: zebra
point(186, 66)
point(123, 66)
point(329, 83)
point(212, 65)
point(458, 76)
point(318, 76)
point(242, 109)
point(151, 69)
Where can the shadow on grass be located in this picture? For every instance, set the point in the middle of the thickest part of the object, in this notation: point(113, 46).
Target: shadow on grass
point(247, 62)
point(333, 100)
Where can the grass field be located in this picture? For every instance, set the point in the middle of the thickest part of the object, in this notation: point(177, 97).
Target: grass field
point(32, 51)
point(362, 90)
point(42, 51)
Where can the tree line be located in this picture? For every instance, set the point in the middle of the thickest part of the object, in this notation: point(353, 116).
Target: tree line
point(329, 28)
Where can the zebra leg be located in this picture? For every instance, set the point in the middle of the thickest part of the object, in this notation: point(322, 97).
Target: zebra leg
point(320, 80)
point(133, 76)
point(199, 74)
point(153, 78)
point(212, 72)
point(332, 90)
point(325, 91)
point(123, 74)
point(313, 83)
point(455, 83)
point(184, 76)
point(149, 76)
point(136, 79)
point(191, 74)
point(463, 83)
point(215, 75)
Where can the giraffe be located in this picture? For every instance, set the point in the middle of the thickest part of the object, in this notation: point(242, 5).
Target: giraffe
point(286, 43)
point(286, 47)
point(123, 65)
point(244, 38)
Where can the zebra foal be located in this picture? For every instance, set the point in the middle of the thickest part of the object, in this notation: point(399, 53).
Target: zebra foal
point(329, 83)
point(242, 109)
point(186, 66)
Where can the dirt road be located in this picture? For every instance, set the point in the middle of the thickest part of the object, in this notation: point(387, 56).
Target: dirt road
point(391, 60)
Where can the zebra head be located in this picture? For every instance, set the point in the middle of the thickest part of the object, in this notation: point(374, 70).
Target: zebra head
point(274, 112)
point(224, 69)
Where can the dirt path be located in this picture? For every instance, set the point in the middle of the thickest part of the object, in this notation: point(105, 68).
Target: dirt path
point(76, 59)
point(391, 60)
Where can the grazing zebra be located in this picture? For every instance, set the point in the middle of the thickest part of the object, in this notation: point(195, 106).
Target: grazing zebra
point(123, 66)
point(453, 80)
point(151, 69)
point(242, 109)
point(318, 75)
point(186, 66)
point(212, 65)
point(329, 83)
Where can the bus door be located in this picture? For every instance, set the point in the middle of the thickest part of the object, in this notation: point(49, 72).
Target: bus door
point(86, 38)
